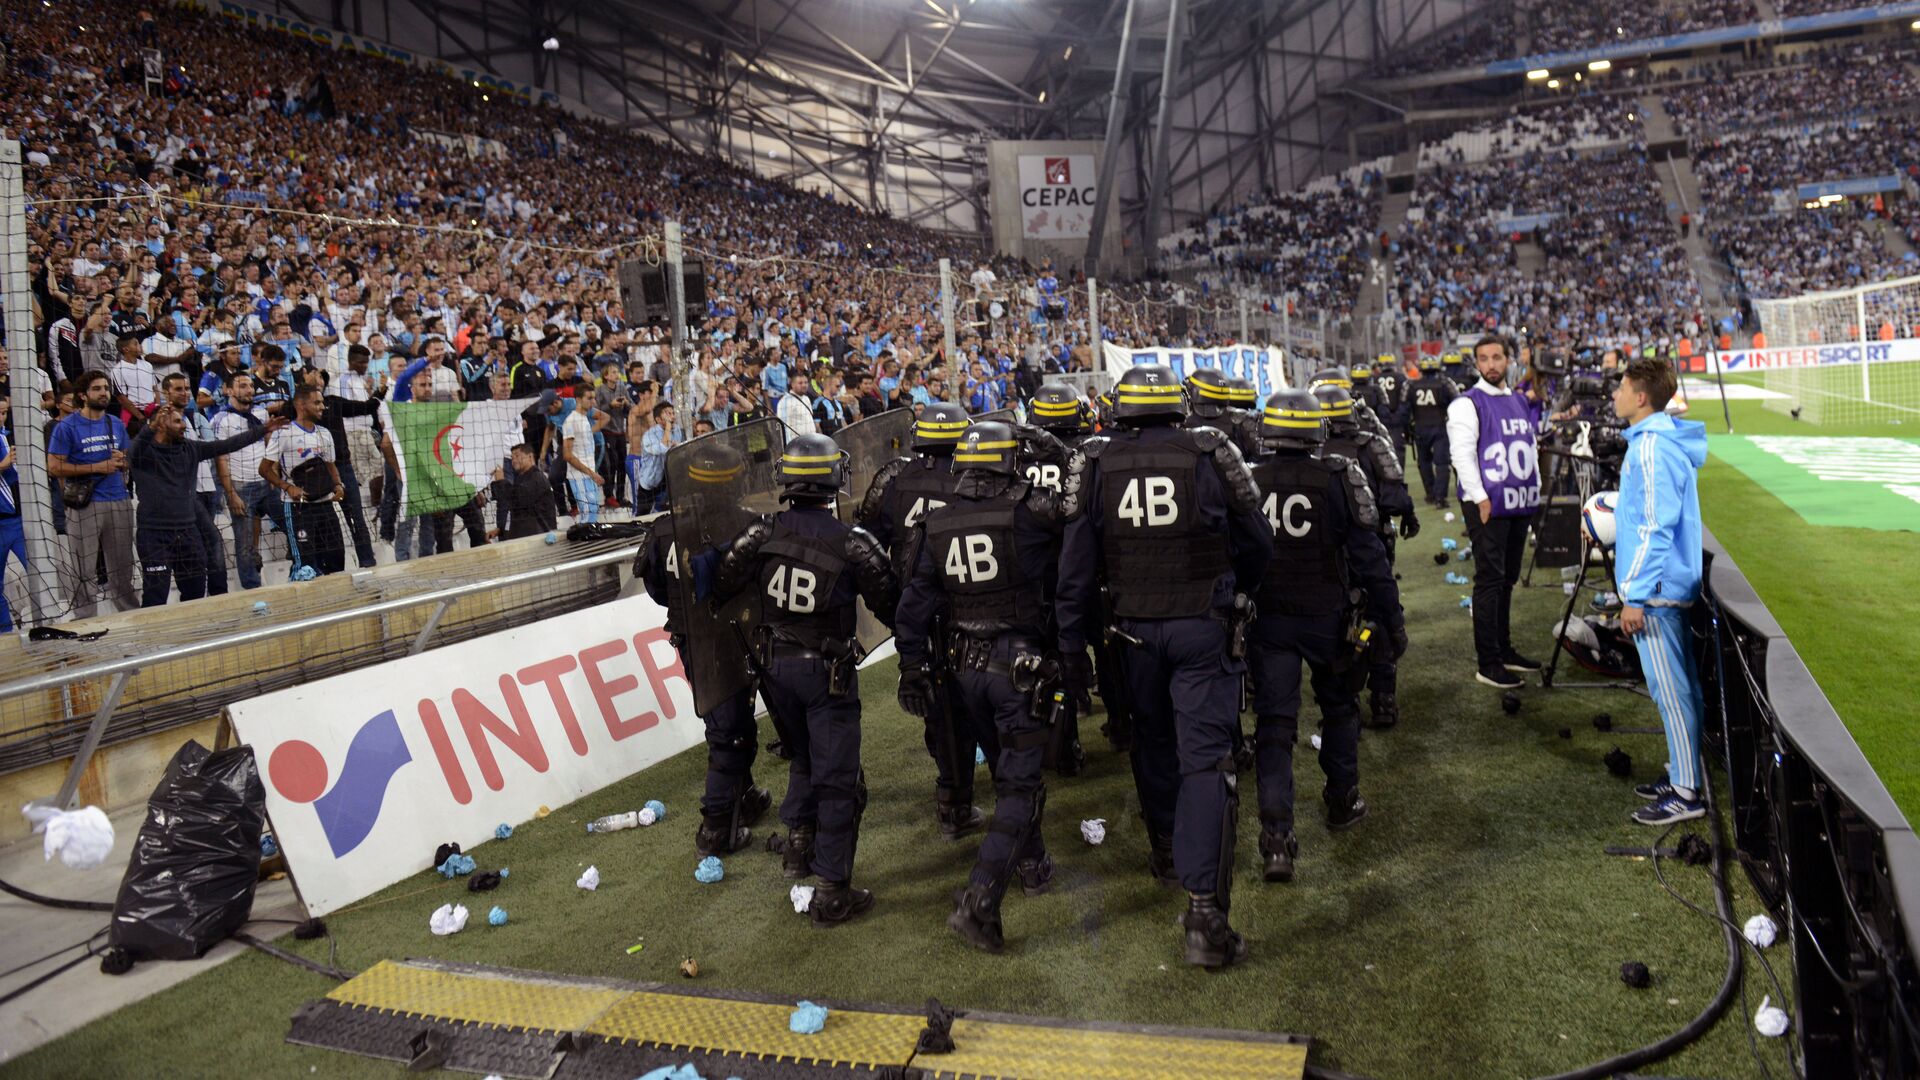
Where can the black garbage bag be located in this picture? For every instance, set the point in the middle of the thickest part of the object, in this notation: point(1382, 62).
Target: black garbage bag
point(190, 882)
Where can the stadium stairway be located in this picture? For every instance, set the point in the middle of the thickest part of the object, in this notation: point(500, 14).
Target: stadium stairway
point(1681, 189)
point(1655, 119)
point(1769, 11)
point(1892, 236)
point(1393, 217)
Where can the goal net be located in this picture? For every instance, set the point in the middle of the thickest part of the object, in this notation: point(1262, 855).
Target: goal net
point(1853, 355)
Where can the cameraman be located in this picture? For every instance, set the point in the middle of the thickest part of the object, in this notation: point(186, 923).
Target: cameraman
point(1492, 436)
point(1657, 564)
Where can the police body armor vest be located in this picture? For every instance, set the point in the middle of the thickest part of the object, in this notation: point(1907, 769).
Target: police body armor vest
point(924, 485)
point(1386, 388)
point(972, 543)
point(1308, 574)
point(1161, 562)
point(1236, 424)
point(1429, 404)
point(798, 574)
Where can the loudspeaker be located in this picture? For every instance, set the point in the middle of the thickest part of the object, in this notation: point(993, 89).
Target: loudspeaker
point(1557, 533)
point(643, 290)
point(693, 274)
point(1177, 322)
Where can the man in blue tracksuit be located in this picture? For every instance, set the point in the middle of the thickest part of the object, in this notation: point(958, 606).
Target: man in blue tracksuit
point(1657, 561)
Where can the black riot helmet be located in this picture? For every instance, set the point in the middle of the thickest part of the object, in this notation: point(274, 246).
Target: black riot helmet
point(1242, 391)
point(1148, 392)
point(1331, 376)
point(1362, 374)
point(1207, 393)
point(988, 446)
point(1429, 362)
point(1057, 408)
point(1336, 406)
point(813, 467)
point(717, 470)
point(939, 426)
point(1292, 419)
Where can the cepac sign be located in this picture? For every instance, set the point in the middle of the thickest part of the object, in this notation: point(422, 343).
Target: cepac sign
point(366, 773)
point(1056, 196)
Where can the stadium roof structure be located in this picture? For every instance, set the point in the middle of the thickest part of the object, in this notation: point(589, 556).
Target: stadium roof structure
point(888, 103)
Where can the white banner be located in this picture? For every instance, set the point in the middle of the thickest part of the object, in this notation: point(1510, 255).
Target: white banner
point(1264, 367)
point(1873, 352)
point(366, 773)
point(1056, 196)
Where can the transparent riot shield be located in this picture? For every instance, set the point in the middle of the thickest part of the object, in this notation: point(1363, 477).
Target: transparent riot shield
point(716, 485)
point(870, 444)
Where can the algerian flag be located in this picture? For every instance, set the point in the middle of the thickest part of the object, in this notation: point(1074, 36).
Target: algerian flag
point(448, 450)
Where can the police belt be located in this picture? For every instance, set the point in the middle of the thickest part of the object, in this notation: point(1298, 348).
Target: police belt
point(1029, 667)
point(780, 643)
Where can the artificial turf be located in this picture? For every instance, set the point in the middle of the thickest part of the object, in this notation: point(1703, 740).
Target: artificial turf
point(1471, 927)
point(1849, 599)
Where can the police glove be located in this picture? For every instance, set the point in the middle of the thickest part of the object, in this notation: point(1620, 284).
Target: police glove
point(1409, 526)
point(1076, 672)
point(916, 690)
point(1399, 635)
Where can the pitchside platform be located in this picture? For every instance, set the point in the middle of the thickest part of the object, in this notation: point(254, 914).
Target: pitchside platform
point(535, 1025)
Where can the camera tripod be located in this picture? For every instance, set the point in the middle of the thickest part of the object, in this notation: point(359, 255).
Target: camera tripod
point(1588, 549)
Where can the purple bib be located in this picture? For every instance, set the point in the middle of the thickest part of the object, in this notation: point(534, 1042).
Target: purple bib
point(1509, 457)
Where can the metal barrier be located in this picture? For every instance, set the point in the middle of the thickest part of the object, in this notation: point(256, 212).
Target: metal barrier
point(384, 645)
point(1824, 844)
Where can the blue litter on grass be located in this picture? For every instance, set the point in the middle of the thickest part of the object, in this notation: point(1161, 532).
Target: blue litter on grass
point(659, 810)
point(674, 1072)
point(553, 538)
point(497, 917)
point(268, 849)
point(1464, 555)
point(1466, 601)
point(456, 864)
point(503, 871)
point(1448, 543)
point(709, 870)
point(502, 831)
point(807, 1019)
point(979, 756)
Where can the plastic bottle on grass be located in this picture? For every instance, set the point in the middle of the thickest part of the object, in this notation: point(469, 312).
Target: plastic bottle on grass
point(615, 822)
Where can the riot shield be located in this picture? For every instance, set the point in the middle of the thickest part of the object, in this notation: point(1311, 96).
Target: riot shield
point(716, 485)
point(870, 444)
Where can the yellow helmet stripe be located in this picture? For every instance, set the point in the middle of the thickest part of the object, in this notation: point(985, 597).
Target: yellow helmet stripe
point(1330, 409)
point(1306, 424)
point(1000, 444)
point(1292, 414)
point(789, 470)
point(1218, 393)
point(811, 459)
point(1047, 408)
point(710, 475)
point(978, 457)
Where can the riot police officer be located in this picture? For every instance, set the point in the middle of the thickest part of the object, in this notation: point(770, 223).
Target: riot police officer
point(1061, 412)
point(731, 803)
point(1171, 517)
point(1247, 399)
point(807, 567)
point(990, 557)
point(1387, 397)
point(1210, 403)
point(1428, 398)
point(1326, 551)
point(903, 492)
point(1459, 372)
point(1374, 455)
point(1362, 414)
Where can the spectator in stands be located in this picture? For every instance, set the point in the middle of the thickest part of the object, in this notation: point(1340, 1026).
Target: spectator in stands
point(249, 497)
point(576, 446)
point(1658, 560)
point(796, 409)
point(300, 464)
point(175, 391)
point(524, 498)
point(167, 531)
point(13, 539)
point(87, 453)
point(135, 384)
point(650, 468)
point(611, 397)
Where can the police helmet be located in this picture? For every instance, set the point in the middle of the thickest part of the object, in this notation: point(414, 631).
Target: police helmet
point(714, 467)
point(1148, 390)
point(1056, 407)
point(1454, 358)
point(1244, 395)
point(1331, 376)
point(812, 466)
point(1336, 405)
point(1292, 418)
point(1362, 373)
point(939, 426)
point(1429, 363)
point(1207, 392)
point(988, 446)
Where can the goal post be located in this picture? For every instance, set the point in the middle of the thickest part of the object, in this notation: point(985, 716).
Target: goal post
point(1852, 356)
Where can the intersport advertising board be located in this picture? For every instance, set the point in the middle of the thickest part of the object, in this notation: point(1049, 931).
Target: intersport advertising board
point(1873, 352)
point(367, 772)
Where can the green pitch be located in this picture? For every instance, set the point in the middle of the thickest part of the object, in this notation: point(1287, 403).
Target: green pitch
point(1470, 927)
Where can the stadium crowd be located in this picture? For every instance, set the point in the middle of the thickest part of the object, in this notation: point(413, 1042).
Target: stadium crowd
point(1579, 123)
point(1832, 83)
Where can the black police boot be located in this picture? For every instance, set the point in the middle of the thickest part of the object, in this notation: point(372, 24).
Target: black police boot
point(718, 835)
point(1278, 850)
point(1345, 811)
point(1386, 711)
point(795, 850)
point(836, 902)
point(976, 917)
point(1211, 943)
point(1036, 875)
point(754, 803)
point(957, 817)
point(1073, 759)
point(1160, 860)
